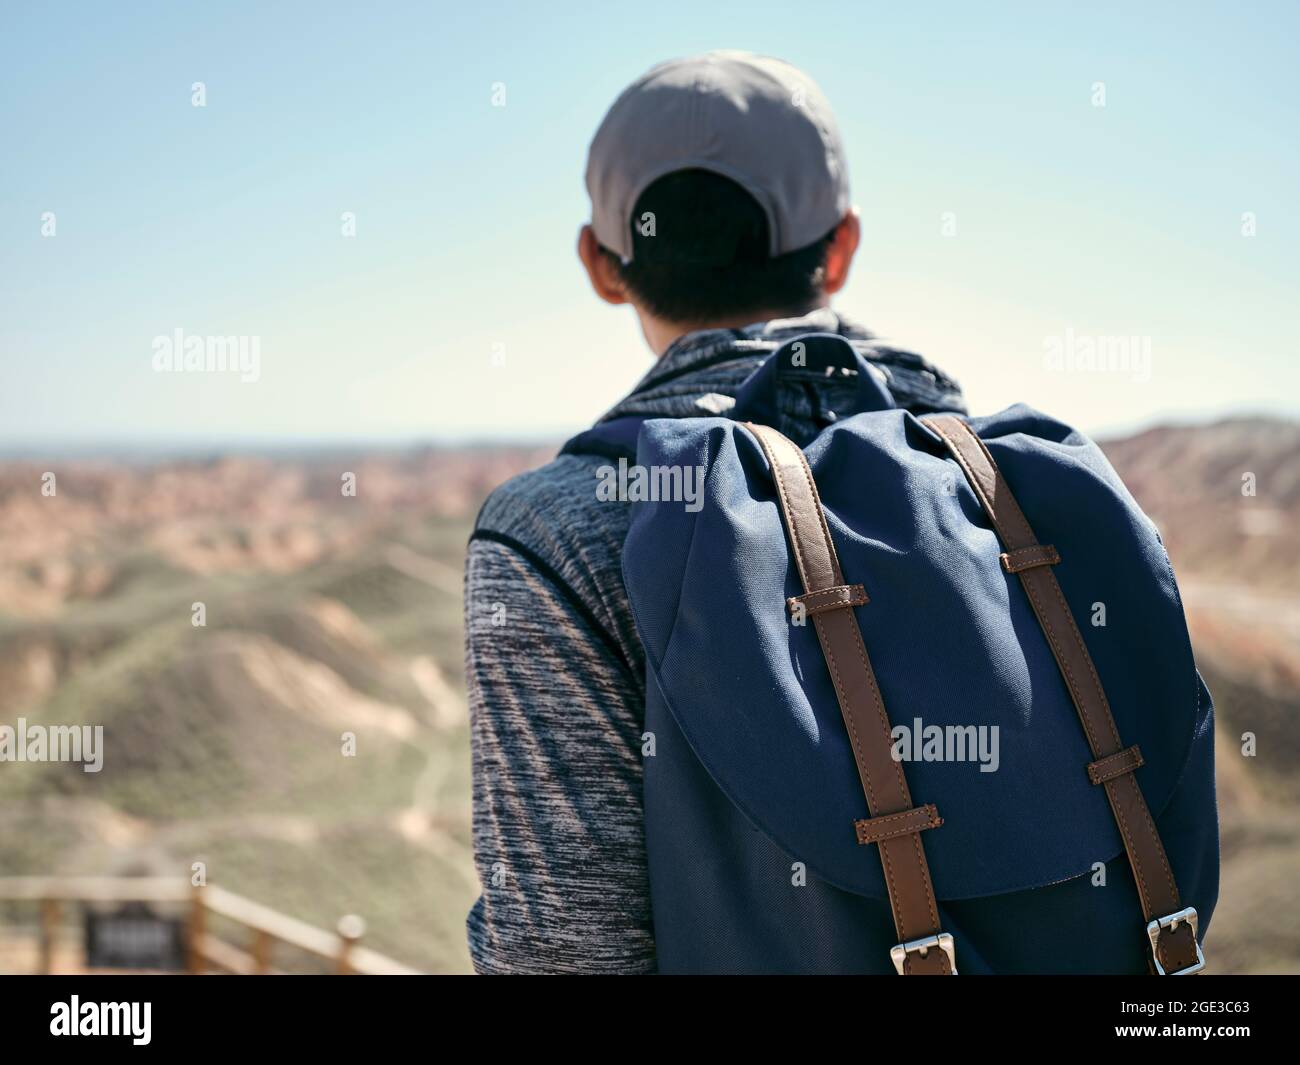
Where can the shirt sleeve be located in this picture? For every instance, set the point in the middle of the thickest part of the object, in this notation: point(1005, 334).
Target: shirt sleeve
point(556, 716)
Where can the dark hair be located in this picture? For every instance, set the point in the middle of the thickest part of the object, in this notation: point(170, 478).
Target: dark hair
point(708, 253)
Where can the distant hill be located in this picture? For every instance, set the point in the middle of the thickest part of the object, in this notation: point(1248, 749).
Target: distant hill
point(1194, 480)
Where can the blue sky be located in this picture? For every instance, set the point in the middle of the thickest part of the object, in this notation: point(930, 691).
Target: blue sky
point(459, 310)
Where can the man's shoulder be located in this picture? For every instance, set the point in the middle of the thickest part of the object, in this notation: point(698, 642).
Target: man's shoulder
point(553, 517)
point(547, 500)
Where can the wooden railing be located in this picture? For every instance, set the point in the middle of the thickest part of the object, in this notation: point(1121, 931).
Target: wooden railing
point(205, 951)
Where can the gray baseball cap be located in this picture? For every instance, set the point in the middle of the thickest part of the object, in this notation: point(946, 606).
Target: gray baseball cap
point(756, 120)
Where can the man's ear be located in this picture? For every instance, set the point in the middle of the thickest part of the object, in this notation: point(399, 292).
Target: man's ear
point(839, 256)
point(601, 269)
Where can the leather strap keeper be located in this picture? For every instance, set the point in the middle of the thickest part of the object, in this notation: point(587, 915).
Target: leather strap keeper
point(1115, 765)
point(917, 819)
point(1024, 558)
point(842, 595)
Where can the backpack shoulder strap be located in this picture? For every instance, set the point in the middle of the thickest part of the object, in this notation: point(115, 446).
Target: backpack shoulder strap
point(1171, 928)
point(895, 824)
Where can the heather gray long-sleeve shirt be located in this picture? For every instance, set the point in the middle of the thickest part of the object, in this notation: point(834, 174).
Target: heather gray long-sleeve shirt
point(556, 675)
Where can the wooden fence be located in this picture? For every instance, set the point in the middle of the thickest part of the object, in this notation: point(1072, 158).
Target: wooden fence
point(204, 950)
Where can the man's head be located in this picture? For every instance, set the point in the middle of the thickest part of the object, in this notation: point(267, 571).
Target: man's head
point(719, 196)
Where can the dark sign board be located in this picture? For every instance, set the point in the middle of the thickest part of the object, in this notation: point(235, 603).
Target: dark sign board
point(134, 937)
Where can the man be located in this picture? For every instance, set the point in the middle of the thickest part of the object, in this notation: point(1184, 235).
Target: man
point(721, 215)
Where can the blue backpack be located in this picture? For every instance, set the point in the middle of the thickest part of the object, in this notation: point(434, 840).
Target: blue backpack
point(955, 643)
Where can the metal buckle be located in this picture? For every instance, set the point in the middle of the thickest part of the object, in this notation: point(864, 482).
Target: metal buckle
point(922, 946)
point(1171, 922)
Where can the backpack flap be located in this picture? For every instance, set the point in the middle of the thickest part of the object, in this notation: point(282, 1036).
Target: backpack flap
point(991, 737)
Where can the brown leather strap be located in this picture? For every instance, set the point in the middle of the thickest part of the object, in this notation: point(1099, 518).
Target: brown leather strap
point(907, 874)
point(1177, 948)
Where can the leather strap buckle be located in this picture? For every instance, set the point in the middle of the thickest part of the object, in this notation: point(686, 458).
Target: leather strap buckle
point(923, 946)
point(1171, 922)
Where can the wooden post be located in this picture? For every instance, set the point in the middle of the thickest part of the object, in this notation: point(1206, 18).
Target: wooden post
point(195, 932)
point(261, 952)
point(49, 932)
point(350, 928)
